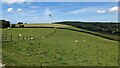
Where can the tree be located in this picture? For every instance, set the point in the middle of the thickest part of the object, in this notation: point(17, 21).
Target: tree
point(20, 23)
point(13, 26)
point(4, 24)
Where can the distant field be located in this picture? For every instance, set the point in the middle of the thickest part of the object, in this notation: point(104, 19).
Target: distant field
point(57, 47)
point(75, 27)
point(44, 25)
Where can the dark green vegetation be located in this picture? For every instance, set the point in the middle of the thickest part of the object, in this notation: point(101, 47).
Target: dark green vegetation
point(4, 24)
point(108, 30)
point(67, 46)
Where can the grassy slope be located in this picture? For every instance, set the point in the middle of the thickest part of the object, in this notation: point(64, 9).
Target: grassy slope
point(108, 36)
point(59, 48)
point(0, 45)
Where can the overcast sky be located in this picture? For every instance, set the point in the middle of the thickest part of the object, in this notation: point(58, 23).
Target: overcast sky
point(37, 12)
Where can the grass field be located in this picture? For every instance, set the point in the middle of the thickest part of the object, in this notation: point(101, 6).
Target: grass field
point(57, 47)
point(44, 25)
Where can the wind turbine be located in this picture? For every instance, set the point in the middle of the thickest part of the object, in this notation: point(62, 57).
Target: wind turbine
point(50, 15)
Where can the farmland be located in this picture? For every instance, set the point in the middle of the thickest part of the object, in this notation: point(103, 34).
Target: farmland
point(110, 30)
point(56, 47)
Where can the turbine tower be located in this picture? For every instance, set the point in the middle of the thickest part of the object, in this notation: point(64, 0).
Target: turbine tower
point(50, 15)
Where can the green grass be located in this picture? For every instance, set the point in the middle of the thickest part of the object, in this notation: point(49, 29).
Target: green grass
point(0, 45)
point(58, 48)
point(44, 25)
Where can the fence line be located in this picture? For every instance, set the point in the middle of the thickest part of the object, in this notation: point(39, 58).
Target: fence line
point(6, 37)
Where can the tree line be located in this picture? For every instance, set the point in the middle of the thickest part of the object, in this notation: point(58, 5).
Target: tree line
point(6, 24)
point(102, 27)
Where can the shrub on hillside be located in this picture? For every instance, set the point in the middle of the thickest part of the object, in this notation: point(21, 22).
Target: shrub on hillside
point(13, 25)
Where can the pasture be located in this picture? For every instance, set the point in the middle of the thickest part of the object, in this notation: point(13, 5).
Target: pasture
point(56, 47)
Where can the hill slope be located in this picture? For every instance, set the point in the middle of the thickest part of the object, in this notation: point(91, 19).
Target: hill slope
point(56, 47)
point(99, 28)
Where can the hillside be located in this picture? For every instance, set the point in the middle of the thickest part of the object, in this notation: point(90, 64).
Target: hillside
point(109, 30)
point(57, 47)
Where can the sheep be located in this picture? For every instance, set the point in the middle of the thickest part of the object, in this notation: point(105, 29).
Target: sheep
point(32, 38)
point(84, 40)
point(19, 35)
point(2, 65)
point(76, 41)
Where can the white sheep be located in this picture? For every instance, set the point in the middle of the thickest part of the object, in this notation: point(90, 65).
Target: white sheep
point(2, 65)
point(76, 41)
point(84, 40)
point(19, 35)
point(32, 38)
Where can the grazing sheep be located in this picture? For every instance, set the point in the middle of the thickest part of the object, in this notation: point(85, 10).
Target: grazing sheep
point(32, 38)
point(76, 41)
point(19, 35)
point(84, 40)
point(2, 65)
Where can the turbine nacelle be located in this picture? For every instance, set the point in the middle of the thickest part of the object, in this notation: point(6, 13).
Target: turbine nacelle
point(49, 14)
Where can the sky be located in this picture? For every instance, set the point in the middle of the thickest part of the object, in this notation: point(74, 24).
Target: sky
point(37, 12)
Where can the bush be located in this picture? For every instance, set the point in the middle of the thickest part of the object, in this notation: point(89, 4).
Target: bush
point(20, 23)
point(4, 24)
point(13, 26)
